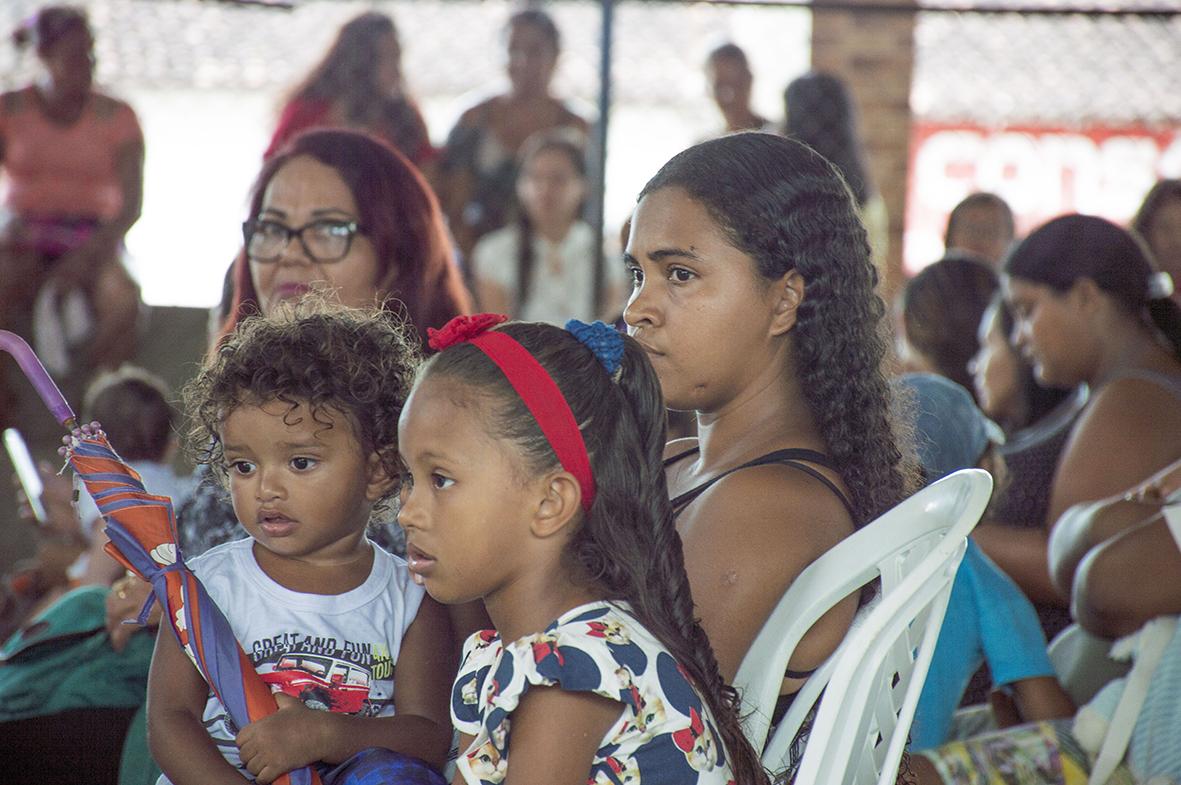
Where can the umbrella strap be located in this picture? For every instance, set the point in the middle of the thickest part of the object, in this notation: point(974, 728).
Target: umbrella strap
point(159, 590)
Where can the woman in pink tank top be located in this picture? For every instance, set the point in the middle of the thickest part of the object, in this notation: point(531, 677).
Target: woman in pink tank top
point(72, 161)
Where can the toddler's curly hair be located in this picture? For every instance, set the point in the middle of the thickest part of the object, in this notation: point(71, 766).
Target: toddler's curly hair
point(360, 362)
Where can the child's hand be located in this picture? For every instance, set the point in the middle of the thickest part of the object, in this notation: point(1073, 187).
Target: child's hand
point(289, 738)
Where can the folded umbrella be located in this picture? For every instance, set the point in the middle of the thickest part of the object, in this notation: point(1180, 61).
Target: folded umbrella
point(142, 530)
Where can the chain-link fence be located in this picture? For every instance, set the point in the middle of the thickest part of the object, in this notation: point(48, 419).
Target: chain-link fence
point(1054, 111)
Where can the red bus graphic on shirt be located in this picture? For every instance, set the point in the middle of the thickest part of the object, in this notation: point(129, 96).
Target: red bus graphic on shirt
point(321, 682)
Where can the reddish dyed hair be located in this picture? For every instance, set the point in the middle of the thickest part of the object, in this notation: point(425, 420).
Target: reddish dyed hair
point(416, 270)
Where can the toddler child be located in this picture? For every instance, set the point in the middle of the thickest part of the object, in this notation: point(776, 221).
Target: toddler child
point(298, 412)
point(535, 481)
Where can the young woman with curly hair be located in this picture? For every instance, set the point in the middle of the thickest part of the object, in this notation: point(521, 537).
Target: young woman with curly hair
point(754, 298)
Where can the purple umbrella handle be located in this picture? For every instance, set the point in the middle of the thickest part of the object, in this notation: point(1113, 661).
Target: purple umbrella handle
point(40, 378)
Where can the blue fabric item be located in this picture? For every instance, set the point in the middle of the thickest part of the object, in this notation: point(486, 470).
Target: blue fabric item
point(376, 766)
point(988, 618)
point(602, 339)
point(952, 433)
point(1154, 749)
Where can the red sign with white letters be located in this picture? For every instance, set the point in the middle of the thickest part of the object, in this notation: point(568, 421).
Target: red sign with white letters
point(1041, 172)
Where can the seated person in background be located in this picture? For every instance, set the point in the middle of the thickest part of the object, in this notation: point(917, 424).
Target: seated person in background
point(1158, 223)
point(1107, 603)
point(1037, 421)
point(477, 170)
point(359, 84)
point(133, 404)
point(988, 618)
point(940, 312)
point(298, 412)
point(821, 113)
point(730, 80)
point(71, 159)
point(541, 268)
point(981, 225)
point(1090, 309)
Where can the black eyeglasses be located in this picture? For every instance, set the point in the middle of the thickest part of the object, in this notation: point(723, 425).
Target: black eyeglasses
point(322, 241)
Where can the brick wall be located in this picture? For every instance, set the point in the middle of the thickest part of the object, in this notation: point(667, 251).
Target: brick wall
point(873, 51)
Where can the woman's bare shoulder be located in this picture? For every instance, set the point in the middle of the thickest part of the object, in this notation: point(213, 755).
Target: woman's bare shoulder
point(776, 506)
point(1133, 406)
point(1130, 429)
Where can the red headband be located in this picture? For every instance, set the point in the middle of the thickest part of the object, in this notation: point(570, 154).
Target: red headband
point(532, 383)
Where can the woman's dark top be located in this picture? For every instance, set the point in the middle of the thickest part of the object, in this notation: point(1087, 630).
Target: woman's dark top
point(793, 457)
point(1031, 459)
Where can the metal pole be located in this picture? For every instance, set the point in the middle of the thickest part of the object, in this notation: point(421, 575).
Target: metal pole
point(598, 170)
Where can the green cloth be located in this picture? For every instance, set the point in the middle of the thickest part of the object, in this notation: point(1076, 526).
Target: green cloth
point(137, 767)
point(63, 660)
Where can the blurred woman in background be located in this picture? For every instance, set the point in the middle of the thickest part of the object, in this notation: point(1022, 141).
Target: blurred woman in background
point(1158, 223)
point(476, 178)
point(359, 84)
point(940, 312)
point(541, 268)
point(820, 112)
point(1089, 308)
point(1037, 421)
point(72, 158)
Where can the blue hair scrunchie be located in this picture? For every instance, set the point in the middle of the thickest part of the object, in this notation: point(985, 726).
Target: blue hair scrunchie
point(603, 340)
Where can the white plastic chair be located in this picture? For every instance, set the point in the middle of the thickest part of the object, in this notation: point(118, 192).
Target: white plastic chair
point(862, 725)
point(889, 547)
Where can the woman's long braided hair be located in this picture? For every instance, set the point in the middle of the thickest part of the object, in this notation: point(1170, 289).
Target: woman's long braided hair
point(785, 206)
point(627, 544)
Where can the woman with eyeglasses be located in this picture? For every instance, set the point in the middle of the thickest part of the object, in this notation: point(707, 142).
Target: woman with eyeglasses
point(343, 212)
point(340, 210)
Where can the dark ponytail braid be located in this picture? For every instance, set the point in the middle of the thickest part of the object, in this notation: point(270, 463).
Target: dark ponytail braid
point(627, 545)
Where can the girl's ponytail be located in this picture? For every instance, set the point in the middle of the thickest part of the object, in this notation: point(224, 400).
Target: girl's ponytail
point(664, 603)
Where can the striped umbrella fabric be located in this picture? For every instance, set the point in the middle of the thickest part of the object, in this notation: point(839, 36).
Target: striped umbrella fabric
point(142, 530)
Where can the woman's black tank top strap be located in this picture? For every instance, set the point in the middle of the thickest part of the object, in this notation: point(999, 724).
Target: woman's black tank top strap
point(795, 457)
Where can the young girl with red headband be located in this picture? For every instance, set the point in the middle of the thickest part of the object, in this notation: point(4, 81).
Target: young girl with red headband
point(534, 481)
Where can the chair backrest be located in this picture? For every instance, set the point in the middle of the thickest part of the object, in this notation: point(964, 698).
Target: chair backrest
point(864, 718)
point(887, 548)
